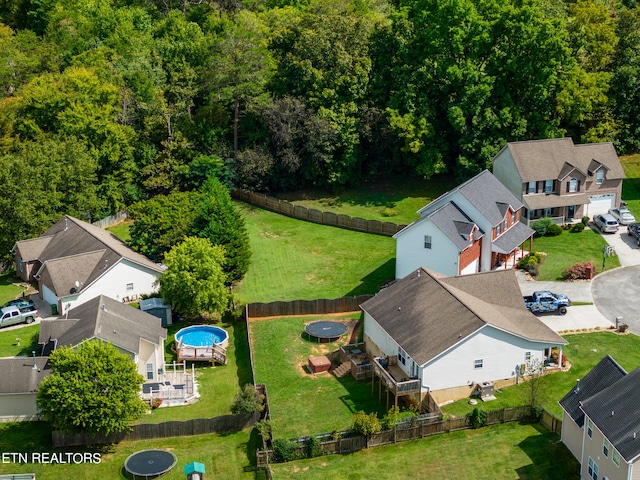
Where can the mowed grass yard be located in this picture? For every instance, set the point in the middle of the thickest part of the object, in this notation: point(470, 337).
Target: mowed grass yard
point(509, 451)
point(583, 352)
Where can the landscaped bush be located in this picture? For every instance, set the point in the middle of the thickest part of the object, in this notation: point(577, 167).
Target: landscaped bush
point(578, 271)
point(477, 418)
point(248, 400)
point(541, 226)
point(577, 227)
point(531, 257)
point(553, 230)
point(366, 424)
point(312, 447)
point(585, 220)
point(284, 450)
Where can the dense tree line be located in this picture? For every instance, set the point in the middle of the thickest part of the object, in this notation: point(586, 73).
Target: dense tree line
point(111, 102)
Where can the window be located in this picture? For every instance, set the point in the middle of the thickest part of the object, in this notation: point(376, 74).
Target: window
point(599, 176)
point(527, 356)
point(548, 212)
point(548, 186)
point(498, 229)
point(532, 187)
point(402, 356)
point(478, 363)
point(572, 186)
point(590, 429)
point(129, 287)
point(593, 469)
point(149, 371)
point(514, 217)
point(605, 448)
point(20, 265)
point(505, 224)
point(615, 456)
point(427, 241)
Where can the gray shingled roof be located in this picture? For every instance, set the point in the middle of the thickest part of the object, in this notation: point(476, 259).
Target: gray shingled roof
point(556, 157)
point(426, 313)
point(107, 319)
point(514, 236)
point(615, 410)
point(603, 375)
point(19, 376)
point(454, 224)
point(538, 201)
point(89, 250)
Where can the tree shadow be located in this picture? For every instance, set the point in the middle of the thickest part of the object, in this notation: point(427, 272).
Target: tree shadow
point(244, 370)
point(370, 284)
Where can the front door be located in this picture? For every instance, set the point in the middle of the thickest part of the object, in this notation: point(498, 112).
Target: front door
point(571, 212)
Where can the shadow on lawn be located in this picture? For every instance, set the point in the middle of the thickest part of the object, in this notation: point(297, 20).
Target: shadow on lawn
point(370, 284)
point(550, 458)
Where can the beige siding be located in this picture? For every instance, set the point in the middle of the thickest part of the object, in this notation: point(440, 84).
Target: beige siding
point(572, 435)
point(593, 448)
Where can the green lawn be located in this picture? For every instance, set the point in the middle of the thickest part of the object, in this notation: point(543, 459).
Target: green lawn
point(293, 259)
point(389, 198)
point(583, 352)
point(121, 230)
point(28, 335)
point(509, 451)
point(302, 403)
point(228, 456)
point(567, 249)
point(10, 286)
point(631, 184)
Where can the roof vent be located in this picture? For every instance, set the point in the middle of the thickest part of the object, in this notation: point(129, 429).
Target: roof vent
point(399, 308)
point(35, 366)
point(577, 389)
point(418, 273)
point(634, 435)
point(104, 309)
point(66, 224)
point(612, 412)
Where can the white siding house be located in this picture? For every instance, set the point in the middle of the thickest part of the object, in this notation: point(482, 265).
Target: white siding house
point(453, 333)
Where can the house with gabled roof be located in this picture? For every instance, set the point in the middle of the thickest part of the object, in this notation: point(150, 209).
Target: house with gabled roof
point(132, 331)
point(473, 228)
point(18, 388)
point(446, 335)
point(74, 261)
point(558, 179)
point(602, 416)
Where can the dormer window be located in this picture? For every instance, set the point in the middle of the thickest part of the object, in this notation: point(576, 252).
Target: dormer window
point(572, 186)
point(599, 176)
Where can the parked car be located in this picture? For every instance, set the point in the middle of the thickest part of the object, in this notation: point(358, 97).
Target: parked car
point(13, 315)
point(606, 223)
point(633, 230)
point(623, 215)
point(546, 301)
point(20, 303)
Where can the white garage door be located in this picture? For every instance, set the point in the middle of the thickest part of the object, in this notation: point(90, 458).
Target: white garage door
point(600, 203)
point(471, 268)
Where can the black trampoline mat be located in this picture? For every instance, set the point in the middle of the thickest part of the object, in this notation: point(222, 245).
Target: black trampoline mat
point(326, 329)
point(150, 462)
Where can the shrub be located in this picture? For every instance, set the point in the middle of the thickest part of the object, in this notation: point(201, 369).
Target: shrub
point(392, 418)
point(156, 402)
point(284, 450)
point(312, 447)
point(577, 227)
point(578, 271)
point(531, 257)
point(265, 428)
point(533, 269)
point(541, 226)
point(553, 230)
point(248, 400)
point(585, 220)
point(366, 424)
point(477, 418)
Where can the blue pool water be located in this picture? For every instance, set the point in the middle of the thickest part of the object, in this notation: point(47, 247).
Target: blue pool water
point(201, 335)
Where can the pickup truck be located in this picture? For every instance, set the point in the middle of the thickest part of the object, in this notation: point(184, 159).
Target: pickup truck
point(13, 315)
point(545, 301)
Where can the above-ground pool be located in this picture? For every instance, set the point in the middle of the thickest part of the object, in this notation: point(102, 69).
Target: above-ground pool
point(202, 336)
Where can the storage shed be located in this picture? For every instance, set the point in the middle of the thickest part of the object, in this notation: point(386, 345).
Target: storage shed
point(156, 307)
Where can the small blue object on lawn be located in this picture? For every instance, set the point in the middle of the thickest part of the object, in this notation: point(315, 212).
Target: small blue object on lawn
point(194, 471)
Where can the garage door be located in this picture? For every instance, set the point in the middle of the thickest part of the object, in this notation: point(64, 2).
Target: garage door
point(471, 268)
point(600, 203)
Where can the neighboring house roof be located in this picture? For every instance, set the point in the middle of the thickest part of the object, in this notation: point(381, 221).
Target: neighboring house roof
point(426, 313)
point(557, 157)
point(615, 410)
point(487, 194)
point(73, 250)
point(603, 375)
point(19, 376)
point(535, 202)
point(106, 319)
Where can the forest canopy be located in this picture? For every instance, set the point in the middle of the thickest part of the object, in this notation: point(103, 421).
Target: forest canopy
point(111, 102)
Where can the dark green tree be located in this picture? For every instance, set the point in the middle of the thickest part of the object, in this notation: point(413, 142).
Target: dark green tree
point(194, 282)
point(93, 389)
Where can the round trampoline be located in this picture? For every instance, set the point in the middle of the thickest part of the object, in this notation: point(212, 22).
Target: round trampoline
point(149, 463)
point(325, 330)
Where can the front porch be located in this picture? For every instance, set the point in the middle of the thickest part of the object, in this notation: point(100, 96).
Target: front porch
point(394, 380)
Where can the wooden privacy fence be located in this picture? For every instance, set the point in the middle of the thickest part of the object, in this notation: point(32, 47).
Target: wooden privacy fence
point(146, 431)
point(377, 227)
point(306, 307)
point(409, 429)
point(111, 220)
point(552, 423)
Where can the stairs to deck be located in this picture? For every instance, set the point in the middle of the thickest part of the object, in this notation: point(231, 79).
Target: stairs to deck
point(343, 370)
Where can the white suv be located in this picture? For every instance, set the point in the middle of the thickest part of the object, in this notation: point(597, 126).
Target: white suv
point(606, 223)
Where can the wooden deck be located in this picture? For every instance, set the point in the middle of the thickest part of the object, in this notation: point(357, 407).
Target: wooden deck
point(211, 354)
point(394, 379)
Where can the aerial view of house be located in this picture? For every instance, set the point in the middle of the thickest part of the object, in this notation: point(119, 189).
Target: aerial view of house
point(446, 335)
point(556, 178)
point(601, 422)
point(74, 261)
point(473, 228)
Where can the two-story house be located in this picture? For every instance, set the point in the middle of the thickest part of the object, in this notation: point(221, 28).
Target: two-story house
point(555, 178)
point(601, 422)
point(473, 228)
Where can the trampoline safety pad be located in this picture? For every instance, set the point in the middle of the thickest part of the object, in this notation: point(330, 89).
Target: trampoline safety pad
point(325, 330)
point(149, 463)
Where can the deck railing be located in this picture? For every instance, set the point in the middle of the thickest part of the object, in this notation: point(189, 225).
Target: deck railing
point(396, 387)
